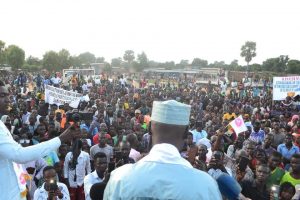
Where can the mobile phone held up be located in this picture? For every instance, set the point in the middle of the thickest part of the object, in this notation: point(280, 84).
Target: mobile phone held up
point(53, 185)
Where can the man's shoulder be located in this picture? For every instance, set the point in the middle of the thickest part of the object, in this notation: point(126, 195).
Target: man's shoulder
point(295, 147)
point(122, 172)
point(94, 147)
point(88, 176)
point(204, 176)
point(59, 184)
point(85, 154)
point(68, 154)
point(280, 171)
point(286, 176)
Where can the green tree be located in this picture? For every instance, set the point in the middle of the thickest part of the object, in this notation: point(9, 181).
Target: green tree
point(283, 61)
point(51, 60)
point(255, 67)
point(184, 62)
point(278, 64)
point(153, 64)
point(234, 63)
point(217, 64)
point(248, 51)
point(170, 64)
point(64, 59)
point(129, 56)
point(143, 60)
point(271, 64)
point(293, 66)
point(100, 60)
point(33, 61)
point(15, 56)
point(2, 52)
point(75, 61)
point(199, 62)
point(116, 62)
point(107, 68)
point(136, 66)
point(87, 58)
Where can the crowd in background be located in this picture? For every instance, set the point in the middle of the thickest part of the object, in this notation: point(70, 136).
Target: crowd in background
point(115, 123)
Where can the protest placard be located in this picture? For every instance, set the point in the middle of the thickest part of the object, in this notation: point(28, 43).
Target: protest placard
point(60, 96)
point(285, 86)
point(238, 125)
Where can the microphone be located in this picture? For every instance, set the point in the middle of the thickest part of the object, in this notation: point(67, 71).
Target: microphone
point(229, 187)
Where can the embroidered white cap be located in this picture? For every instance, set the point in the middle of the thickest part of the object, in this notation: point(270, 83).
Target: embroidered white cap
point(171, 112)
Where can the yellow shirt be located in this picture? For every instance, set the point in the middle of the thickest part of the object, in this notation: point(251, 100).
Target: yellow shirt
point(60, 110)
point(288, 178)
point(228, 116)
point(126, 106)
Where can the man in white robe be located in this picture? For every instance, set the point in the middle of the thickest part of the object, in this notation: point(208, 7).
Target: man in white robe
point(163, 173)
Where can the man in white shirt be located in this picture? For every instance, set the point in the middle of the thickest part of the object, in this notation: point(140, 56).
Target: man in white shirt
point(84, 88)
point(97, 176)
point(12, 153)
point(163, 173)
point(122, 81)
point(76, 166)
point(56, 81)
point(35, 171)
point(51, 189)
point(25, 114)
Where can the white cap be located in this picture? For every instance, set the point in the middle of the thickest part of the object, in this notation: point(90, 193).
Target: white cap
point(171, 112)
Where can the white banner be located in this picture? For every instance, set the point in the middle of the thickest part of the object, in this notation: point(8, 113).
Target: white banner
point(285, 86)
point(59, 96)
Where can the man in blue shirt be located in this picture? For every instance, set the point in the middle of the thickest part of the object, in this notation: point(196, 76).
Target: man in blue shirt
point(257, 135)
point(287, 149)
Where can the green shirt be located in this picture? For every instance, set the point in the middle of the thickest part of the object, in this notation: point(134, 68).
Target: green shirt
point(275, 177)
point(115, 138)
point(144, 126)
point(288, 178)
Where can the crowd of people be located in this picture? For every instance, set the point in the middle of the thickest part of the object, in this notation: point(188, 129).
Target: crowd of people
point(114, 128)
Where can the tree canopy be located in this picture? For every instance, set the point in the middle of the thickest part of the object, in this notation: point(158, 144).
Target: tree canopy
point(199, 62)
point(129, 56)
point(2, 52)
point(87, 58)
point(55, 61)
point(143, 60)
point(51, 60)
point(15, 56)
point(116, 62)
point(248, 51)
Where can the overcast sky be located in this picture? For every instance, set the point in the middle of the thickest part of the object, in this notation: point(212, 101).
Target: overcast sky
point(165, 29)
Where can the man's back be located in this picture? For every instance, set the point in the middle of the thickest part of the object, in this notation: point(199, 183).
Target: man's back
point(161, 178)
point(162, 181)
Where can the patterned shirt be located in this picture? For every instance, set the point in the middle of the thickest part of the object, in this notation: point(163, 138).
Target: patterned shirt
point(258, 137)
